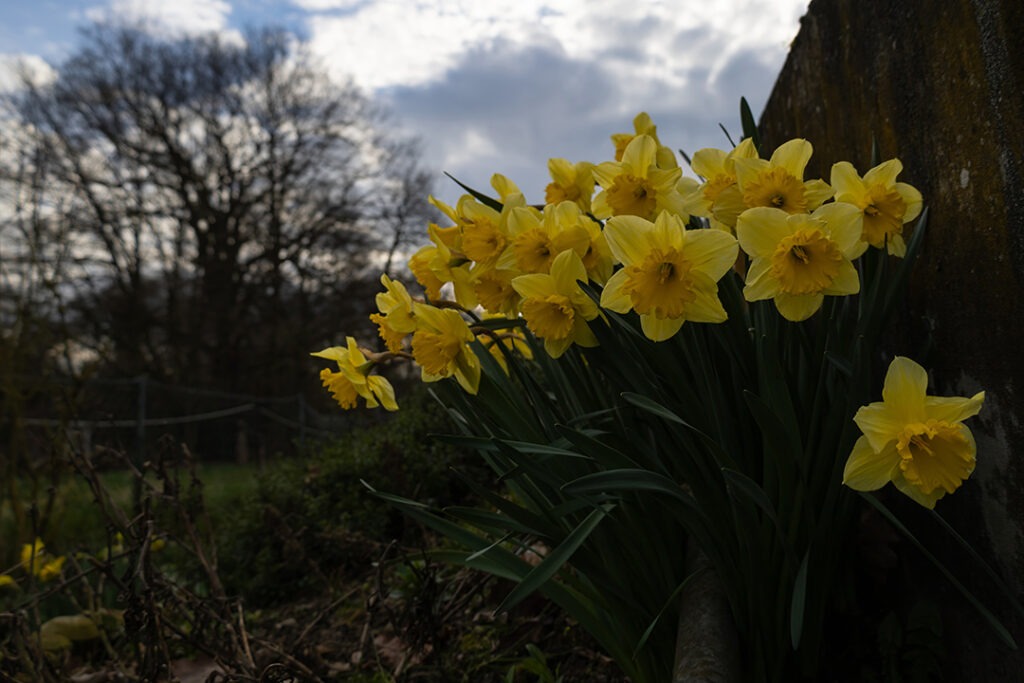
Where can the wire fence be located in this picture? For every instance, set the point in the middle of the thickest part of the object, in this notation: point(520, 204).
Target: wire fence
point(134, 414)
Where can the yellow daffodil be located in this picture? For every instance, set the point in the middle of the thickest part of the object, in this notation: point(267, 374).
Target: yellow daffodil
point(395, 319)
point(536, 239)
point(353, 380)
point(494, 291)
point(7, 581)
point(441, 347)
point(718, 197)
point(440, 263)
point(597, 258)
point(556, 309)
point(798, 259)
point(886, 204)
point(643, 125)
point(570, 182)
point(669, 274)
point(778, 183)
point(636, 186)
point(916, 441)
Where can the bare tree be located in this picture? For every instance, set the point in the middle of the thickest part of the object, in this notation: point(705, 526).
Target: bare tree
point(217, 202)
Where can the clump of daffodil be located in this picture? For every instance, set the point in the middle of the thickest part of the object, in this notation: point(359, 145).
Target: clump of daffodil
point(643, 125)
point(556, 309)
point(669, 274)
point(396, 317)
point(798, 259)
point(886, 204)
point(636, 185)
point(38, 562)
point(718, 197)
point(353, 379)
point(440, 346)
point(778, 182)
point(916, 441)
point(570, 182)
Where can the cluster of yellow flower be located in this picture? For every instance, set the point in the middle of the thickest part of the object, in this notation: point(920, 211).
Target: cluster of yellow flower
point(517, 261)
point(36, 561)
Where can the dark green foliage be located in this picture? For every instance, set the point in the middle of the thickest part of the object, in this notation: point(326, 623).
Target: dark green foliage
point(312, 518)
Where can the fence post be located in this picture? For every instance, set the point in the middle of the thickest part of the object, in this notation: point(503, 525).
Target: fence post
point(140, 440)
point(302, 422)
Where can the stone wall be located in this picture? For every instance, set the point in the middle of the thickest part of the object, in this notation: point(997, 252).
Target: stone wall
point(940, 85)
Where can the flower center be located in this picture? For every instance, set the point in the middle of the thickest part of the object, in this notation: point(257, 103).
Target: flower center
point(555, 193)
point(435, 352)
point(661, 284)
point(631, 196)
point(934, 454)
point(482, 241)
point(550, 317)
point(883, 215)
point(806, 262)
point(533, 251)
point(776, 187)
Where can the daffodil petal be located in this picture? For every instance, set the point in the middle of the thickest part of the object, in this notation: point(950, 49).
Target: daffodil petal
point(793, 156)
point(613, 297)
point(846, 281)
point(846, 181)
point(845, 224)
point(706, 308)
point(534, 285)
point(797, 307)
point(628, 238)
point(904, 390)
point(760, 284)
point(928, 500)
point(953, 408)
point(708, 162)
point(712, 252)
point(884, 174)
point(760, 229)
point(660, 329)
point(912, 198)
point(879, 424)
point(869, 470)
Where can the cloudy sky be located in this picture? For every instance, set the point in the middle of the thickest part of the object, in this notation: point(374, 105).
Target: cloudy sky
point(491, 85)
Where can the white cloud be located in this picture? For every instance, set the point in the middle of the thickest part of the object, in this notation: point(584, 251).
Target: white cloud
point(14, 67)
point(177, 18)
point(401, 42)
point(322, 5)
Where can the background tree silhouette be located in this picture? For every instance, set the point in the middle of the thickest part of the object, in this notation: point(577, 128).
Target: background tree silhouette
point(201, 210)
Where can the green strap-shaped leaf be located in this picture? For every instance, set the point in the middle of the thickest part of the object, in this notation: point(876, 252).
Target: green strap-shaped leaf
point(484, 199)
point(993, 622)
point(796, 609)
point(550, 565)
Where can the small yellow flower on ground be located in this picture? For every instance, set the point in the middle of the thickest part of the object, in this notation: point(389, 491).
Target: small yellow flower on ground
point(916, 441)
point(799, 259)
point(353, 380)
point(441, 347)
point(669, 275)
point(887, 205)
point(554, 306)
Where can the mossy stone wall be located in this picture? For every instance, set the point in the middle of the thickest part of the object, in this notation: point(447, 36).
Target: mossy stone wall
point(940, 85)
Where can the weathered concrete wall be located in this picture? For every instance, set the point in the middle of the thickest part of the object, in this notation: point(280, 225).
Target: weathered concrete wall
point(940, 84)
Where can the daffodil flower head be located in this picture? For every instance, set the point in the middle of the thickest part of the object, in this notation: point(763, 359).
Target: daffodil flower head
point(440, 346)
point(536, 239)
point(778, 182)
point(483, 235)
point(643, 125)
point(40, 563)
point(570, 182)
point(798, 259)
point(494, 291)
point(916, 441)
point(886, 204)
point(352, 380)
point(636, 186)
point(395, 319)
point(719, 196)
point(670, 274)
point(556, 309)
